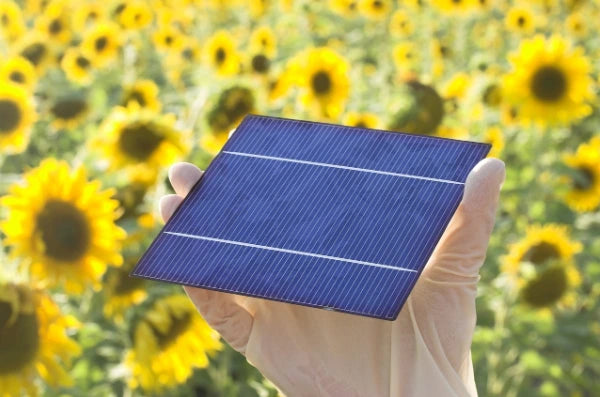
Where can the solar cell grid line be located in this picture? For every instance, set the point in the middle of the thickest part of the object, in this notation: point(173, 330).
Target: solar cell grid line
point(315, 214)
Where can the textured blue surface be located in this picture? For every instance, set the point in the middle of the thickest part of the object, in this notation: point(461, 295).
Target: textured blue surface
point(315, 214)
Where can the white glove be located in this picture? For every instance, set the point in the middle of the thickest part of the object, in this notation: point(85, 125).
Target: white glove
point(312, 352)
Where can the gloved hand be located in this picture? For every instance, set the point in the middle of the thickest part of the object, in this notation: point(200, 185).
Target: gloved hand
point(312, 352)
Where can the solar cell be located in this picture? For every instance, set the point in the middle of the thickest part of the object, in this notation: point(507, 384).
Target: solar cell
point(316, 214)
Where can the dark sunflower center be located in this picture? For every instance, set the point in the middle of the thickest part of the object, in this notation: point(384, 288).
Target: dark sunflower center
point(492, 95)
point(64, 230)
point(546, 288)
point(140, 140)
point(5, 20)
point(168, 40)
point(10, 116)
point(55, 26)
point(521, 21)
point(34, 53)
point(136, 96)
point(101, 43)
point(220, 55)
point(68, 109)
point(19, 340)
point(82, 62)
point(377, 4)
point(321, 82)
point(119, 9)
point(260, 63)
point(584, 179)
point(178, 326)
point(188, 54)
point(549, 84)
point(361, 124)
point(17, 77)
point(541, 253)
point(239, 104)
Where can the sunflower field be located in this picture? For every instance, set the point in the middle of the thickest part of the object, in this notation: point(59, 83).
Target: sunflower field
point(98, 98)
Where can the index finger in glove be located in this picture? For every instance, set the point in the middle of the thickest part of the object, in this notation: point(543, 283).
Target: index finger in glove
point(219, 309)
point(461, 251)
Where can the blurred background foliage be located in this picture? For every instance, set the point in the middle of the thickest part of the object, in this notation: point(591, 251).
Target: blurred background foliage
point(97, 98)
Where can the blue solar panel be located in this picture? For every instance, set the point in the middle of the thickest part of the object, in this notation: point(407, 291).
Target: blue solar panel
point(316, 214)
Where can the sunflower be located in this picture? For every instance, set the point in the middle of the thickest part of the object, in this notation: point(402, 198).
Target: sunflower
point(77, 66)
point(542, 265)
point(34, 48)
point(453, 6)
point(86, 14)
point(440, 50)
point(18, 70)
point(139, 140)
point(12, 25)
point(258, 7)
point(324, 76)
point(494, 137)
point(168, 38)
point(492, 95)
point(550, 82)
point(144, 93)
point(375, 9)
point(233, 104)
point(122, 292)
point(169, 340)
point(64, 225)
point(401, 24)
point(509, 114)
point(17, 115)
point(347, 8)
point(457, 86)
point(190, 52)
point(263, 40)
point(68, 111)
point(54, 24)
point(221, 54)
point(33, 341)
point(135, 16)
point(278, 87)
point(405, 55)
point(362, 120)
point(576, 25)
point(584, 194)
point(101, 43)
point(520, 20)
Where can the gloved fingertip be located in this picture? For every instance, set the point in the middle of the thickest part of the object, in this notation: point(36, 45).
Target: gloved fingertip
point(168, 204)
point(483, 183)
point(183, 176)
